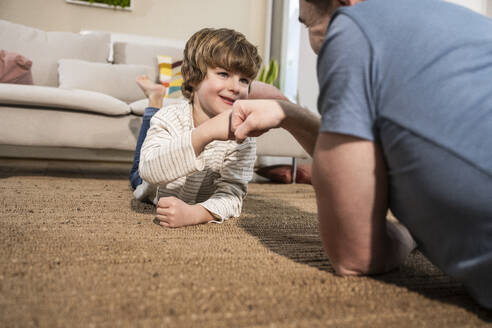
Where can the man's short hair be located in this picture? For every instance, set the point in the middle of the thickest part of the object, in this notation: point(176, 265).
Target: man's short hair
point(213, 48)
point(322, 5)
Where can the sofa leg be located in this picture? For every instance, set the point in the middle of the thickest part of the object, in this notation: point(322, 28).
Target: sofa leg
point(293, 170)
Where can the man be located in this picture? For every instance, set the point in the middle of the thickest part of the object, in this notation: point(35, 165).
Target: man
point(406, 106)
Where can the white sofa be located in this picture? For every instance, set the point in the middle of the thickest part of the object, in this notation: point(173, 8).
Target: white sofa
point(82, 106)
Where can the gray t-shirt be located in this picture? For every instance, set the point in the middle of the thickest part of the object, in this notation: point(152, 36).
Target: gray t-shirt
point(425, 65)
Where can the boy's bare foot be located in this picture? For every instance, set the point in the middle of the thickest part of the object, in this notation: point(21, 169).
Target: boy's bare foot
point(154, 92)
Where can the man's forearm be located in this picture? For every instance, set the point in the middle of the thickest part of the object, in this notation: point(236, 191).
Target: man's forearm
point(302, 124)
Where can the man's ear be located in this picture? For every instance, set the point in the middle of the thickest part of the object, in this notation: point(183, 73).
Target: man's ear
point(348, 2)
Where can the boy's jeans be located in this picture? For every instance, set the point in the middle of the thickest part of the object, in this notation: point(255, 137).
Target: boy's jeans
point(135, 179)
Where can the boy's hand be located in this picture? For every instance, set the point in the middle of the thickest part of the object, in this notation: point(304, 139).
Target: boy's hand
point(220, 126)
point(174, 213)
point(216, 128)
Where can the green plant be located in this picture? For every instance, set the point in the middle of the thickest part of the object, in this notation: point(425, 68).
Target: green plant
point(119, 3)
point(269, 74)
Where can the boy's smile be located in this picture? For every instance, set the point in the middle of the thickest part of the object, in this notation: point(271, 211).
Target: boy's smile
point(227, 100)
point(217, 92)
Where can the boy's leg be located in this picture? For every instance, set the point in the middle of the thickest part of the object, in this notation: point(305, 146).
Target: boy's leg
point(135, 179)
point(154, 92)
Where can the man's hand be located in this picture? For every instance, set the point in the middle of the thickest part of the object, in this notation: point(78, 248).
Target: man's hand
point(251, 118)
point(174, 213)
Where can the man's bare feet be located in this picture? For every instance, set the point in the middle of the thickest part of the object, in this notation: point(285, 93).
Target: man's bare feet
point(154, 92)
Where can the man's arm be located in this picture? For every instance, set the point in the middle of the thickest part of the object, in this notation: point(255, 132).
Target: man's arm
point(255, 117)
point(262, 90)
point(349, 176)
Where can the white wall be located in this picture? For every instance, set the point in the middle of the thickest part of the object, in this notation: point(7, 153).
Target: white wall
point(307, 82)
point(479, 6)
point(160, 18)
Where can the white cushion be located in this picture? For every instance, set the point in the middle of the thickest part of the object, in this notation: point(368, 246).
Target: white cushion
point(138, 107)
point(279, 142)
point(115, 80)
point(46, 48)
point(60, 128)
point(49, 97)
point(143, 54)
point(170, 75)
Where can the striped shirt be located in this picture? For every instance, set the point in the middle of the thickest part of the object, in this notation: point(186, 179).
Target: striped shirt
point(217, 178)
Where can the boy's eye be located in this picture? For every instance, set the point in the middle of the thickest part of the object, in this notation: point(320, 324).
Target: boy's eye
point(244, 81)
point(223, 74)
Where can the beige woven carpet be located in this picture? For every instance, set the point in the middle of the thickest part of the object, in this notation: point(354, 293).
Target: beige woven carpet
point(77, 251)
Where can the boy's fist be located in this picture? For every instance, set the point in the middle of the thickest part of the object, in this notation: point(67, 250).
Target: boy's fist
point(172, 212)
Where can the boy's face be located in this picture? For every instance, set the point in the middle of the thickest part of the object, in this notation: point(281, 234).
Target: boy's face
point(219, 90)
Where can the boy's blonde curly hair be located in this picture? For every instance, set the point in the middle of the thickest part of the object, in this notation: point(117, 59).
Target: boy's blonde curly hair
point(213, 48)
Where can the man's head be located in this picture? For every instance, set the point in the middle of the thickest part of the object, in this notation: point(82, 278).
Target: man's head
point(212, 48)
point(316, 15)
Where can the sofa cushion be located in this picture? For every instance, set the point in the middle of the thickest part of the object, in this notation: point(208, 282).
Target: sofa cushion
point(115, 80)
point(143, 54)
point(138, 107)
point(170, 75)
point(46, 48)
point(49, 97)
point(283, 174)
point(279, 142)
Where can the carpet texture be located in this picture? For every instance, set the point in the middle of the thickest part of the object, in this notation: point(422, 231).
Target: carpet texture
point(77, 251)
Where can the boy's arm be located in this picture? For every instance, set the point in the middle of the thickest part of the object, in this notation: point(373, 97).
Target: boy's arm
point(232, 186)
point(172, 212)
point(216, 128)
point(167, 152)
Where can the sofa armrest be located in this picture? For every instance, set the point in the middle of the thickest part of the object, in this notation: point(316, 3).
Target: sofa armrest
point(279, 142)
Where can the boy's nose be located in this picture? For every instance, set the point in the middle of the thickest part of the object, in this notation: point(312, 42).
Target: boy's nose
point(234, 85)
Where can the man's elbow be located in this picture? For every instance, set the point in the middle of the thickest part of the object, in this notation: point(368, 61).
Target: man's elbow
point(342, 270)
point(355, 267)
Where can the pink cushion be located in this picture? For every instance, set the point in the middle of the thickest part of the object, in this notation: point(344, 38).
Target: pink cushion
point(14, 68)
point(281, 173)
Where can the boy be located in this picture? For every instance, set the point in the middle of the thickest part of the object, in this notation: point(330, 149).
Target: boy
point(200, 175)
